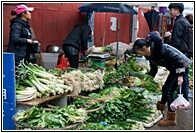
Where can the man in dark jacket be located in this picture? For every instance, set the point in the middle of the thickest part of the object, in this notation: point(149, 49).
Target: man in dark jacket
point(174, 61)
point(180, 38)
point(76, 39)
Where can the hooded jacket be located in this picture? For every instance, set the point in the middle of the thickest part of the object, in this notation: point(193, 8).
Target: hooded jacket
point(19, 33)
point(168, 57)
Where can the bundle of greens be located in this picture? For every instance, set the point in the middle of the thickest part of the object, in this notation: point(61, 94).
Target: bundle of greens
point(117, 107)
point(25, 94)
point(127, 74)
point(46, 84)
point(56, 118)
point(100, 49)
point(123, 125)
point(121, 104)
point(80, 81)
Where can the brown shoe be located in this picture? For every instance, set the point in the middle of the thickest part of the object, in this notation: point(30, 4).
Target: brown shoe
point(160, 107)
point(169, 121)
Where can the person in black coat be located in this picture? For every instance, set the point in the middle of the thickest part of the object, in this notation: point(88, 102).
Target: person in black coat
point(159, 53)
point(75, 40)
point(20, 33)
point(180, 38)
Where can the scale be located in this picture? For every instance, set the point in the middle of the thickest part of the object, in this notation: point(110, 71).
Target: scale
point(99, 55)
point(99, 59)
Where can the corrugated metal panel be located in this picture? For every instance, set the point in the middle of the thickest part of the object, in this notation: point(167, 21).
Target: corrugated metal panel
point(111, 36)
point(51, 21)
point(6, 24)
point(143, 26)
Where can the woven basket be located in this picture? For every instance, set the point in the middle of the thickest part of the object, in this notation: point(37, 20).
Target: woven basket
point(76, 126)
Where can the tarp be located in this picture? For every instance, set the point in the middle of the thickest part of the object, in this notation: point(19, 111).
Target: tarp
point(107, 7)
point(151, 18)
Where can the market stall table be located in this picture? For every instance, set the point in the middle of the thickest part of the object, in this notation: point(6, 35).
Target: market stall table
point(38, 101)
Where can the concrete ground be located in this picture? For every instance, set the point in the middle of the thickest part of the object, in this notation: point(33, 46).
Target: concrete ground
point(185, 119)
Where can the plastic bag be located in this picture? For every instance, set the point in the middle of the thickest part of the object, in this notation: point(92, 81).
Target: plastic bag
point(64, 63)
point(122, 47)
point(180, 103)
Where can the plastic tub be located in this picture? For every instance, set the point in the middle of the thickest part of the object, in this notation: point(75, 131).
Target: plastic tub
point(50, 60)
point(47, 60)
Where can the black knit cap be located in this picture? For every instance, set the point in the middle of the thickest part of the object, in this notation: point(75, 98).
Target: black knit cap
point(180, 6)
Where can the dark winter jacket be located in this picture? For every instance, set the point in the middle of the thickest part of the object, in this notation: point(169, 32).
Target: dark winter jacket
point(168, 41)
point(168, 57)
point(78, 37)
point(180, 33)
point(19, 33)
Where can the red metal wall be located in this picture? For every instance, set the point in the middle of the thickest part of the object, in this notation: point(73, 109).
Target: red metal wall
point(143, 26)
point(111, 36)
point(51, 21)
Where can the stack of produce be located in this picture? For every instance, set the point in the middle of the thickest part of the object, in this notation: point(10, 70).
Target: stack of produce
point(124, 125)
point(79, 81)
point(36, 77)
point(100, 50)
point(129, 74)
point(57, 118)
point(24, 94)
point(121, 104)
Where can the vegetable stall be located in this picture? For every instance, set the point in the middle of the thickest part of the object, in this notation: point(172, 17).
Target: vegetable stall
point(100, 98)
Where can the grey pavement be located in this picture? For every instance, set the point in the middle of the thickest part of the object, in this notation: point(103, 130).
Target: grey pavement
point(185, 119)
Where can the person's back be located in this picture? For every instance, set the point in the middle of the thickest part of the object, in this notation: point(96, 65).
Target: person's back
point(75, 37)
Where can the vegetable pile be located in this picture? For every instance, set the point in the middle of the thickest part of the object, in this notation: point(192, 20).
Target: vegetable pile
point(123, 125)
point(128, 74)
point(79, 81)
point(103, 49)
point(120, 104)
point(36, 77)
point(25, 94)
point(122, 99)
point(56, 118)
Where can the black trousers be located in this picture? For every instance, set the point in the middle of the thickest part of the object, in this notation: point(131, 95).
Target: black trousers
point(73, 60)
point(72, 54)
point(168, 89)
